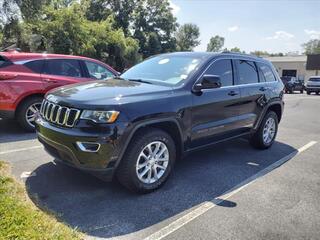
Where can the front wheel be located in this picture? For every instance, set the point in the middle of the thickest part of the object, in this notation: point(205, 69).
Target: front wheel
point(264, 137)
point(26, 113)
point(148, 161)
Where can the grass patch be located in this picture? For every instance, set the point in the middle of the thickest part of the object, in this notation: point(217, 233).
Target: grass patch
point(20, 219)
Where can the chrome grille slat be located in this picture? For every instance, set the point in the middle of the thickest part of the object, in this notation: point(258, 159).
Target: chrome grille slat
point(59, 115)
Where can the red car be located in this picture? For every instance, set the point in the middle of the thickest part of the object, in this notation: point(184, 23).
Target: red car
point(26, 77)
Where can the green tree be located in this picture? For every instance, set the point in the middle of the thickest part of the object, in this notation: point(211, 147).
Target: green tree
point(312, 46)
point(215, 44)
point(236, 49)
point(260, 53)
point(122, 10)
point(154, 17)
point(68, 31)
point(187, 37)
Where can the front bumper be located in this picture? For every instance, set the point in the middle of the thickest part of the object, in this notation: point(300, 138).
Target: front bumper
point(61, 143)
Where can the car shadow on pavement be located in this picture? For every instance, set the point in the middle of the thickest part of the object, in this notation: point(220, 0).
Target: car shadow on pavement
point(108, 210)
point(10, 131)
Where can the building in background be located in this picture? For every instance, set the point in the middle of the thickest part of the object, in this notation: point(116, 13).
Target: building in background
point(293, 66)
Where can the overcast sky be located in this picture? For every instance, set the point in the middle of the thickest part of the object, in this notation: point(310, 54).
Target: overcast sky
point(270, 25)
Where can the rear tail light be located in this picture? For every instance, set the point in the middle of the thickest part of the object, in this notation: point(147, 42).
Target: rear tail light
point(7, 76)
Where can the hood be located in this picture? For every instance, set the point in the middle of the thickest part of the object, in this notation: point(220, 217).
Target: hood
point(108, 92)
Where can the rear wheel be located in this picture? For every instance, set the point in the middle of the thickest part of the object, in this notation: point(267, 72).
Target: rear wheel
point(148, 161)
point(264, 137)
point(27, 111)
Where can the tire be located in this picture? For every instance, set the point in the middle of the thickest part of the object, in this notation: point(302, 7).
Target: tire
point(21, 113)
point(257, 139)
point(301, 91)
point(308, 92)
point(127, 173)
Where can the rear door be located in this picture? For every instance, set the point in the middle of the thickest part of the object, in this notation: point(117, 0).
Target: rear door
point(59, 72)
point(215, 111)
point(253, 91)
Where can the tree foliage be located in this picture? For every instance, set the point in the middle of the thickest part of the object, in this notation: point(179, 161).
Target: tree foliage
point(187, 37)
point(215, 44)
point(312, 47)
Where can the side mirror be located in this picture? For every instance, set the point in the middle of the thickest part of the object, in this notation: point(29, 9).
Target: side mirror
point(208, 82)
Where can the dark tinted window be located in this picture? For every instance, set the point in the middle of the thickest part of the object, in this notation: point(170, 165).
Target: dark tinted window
point(35, 66)
point(222, 68)
point(247, 72)
point(63, 67)
point(4, 62)
point(266, 72)
point(97, 71)
point(314, 79)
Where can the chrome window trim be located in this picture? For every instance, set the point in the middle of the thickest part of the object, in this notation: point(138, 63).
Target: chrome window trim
point(235, 85)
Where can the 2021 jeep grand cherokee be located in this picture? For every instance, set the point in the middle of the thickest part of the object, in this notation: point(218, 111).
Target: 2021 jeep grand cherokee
point(135, 126)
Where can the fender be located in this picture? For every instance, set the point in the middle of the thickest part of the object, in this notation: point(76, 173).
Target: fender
point(145, 124)
point(273, 102)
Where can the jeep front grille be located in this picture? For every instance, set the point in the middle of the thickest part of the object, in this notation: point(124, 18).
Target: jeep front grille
point(59, 115)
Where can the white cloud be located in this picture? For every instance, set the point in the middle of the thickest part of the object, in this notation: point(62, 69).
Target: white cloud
point(174, 8)
point(281, 35)
point(233, 28)
point(313, 34)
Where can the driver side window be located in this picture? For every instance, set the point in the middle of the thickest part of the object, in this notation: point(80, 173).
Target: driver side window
point(98, 72)
point(223, 69)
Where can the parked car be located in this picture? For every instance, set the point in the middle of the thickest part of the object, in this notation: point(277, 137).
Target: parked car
point(313, 85)
point(292, 84)
point(135, 126)
point(26, 77)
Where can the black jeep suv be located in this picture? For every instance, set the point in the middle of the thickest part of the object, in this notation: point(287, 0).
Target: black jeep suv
point(134, 127)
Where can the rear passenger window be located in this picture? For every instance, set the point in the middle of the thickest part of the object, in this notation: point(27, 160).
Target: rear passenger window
point(63, 67)
point(35, 66)
point(222, 68)
point(266, 72)
point(247, 72)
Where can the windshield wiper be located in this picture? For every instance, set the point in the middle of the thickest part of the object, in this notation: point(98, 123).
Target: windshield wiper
point(139, 80)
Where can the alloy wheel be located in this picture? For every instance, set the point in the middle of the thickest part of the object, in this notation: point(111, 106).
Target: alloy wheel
point(31, 113)
point(269, 130)
point(152, 162)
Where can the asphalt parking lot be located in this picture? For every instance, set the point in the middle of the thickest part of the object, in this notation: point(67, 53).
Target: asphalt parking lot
point(230, 191)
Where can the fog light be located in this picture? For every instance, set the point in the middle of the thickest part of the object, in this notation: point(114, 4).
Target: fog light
point(88, 146)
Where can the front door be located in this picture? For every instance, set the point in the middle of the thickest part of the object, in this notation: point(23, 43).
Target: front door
point(215, 111)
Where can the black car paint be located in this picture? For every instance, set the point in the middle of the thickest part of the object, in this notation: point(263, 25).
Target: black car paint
point(199, 117)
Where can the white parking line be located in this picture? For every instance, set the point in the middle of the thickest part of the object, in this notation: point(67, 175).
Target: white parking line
point(204, 207)
point(20, 149)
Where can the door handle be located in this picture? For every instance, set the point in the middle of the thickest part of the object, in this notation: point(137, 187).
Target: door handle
point(232, 93)
point(48, 80)
point(262, 89)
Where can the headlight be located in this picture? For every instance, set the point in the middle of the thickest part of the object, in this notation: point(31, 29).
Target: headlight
point(100, 116)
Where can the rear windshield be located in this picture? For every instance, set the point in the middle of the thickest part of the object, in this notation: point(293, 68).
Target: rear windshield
point(4, 62)
point(314, 79)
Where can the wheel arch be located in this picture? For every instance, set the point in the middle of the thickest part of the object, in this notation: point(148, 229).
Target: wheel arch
point(24, 98)
point(276, 106)
point(170, 126)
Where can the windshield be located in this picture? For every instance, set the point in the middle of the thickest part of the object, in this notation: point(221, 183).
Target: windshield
point(314, 79)
point(163, 69)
